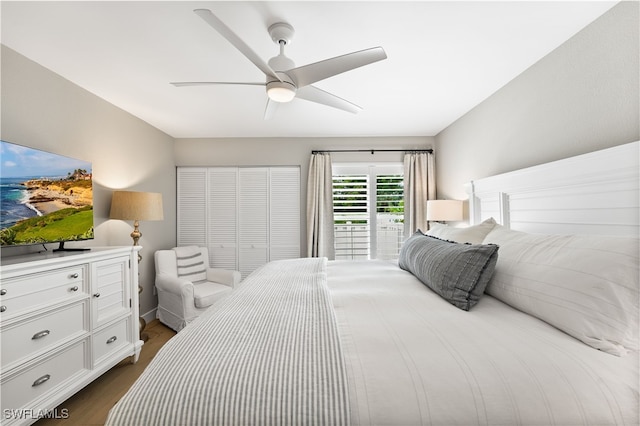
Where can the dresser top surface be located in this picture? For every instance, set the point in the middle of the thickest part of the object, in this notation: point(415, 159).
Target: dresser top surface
point(50, 257)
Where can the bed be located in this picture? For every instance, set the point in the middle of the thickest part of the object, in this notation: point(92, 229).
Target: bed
point(549, 338)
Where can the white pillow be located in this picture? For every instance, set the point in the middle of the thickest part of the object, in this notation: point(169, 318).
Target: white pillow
point(586, 286)
point(472, 234)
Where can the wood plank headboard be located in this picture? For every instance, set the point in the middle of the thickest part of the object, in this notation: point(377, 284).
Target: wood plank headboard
point(594, 193)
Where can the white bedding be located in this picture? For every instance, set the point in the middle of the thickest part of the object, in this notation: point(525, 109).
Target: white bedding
point(390, 352)
point(414, 359)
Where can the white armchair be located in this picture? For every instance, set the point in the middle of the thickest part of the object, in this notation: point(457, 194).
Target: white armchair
point(187, 286)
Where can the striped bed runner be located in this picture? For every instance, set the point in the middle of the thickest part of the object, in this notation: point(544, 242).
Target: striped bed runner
point(269, 354)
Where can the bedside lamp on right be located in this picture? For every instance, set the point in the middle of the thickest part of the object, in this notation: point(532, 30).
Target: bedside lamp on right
point(444, 210)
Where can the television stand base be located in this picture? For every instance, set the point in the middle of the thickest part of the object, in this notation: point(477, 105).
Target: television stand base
point(61, 247)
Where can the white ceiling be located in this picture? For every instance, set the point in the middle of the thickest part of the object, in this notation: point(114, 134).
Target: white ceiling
point(443, 58)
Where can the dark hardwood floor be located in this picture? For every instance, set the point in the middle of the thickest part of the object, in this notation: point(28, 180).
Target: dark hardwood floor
point(91, 405)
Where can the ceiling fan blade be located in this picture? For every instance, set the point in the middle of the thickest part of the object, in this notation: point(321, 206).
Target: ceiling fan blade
point(210, 83)
point(313, 94)
point(309, 74)
point(270, 109)
point(236, 41)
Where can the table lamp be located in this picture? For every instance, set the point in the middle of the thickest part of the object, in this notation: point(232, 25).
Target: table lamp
point(137, 206)
point(444, 210)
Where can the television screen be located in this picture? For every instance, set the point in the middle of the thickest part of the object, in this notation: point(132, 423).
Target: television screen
point(44, 197)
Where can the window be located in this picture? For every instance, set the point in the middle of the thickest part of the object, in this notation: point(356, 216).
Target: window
point(368, 208)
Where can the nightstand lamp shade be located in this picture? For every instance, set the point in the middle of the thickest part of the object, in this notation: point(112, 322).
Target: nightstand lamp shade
point(444, 210)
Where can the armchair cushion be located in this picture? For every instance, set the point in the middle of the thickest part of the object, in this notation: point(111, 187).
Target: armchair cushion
point(223, 276)
point(207, 293)
point(190, 263)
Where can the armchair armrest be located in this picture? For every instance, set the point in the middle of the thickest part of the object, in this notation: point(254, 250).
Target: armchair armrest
point(223, 276)
point(175, 285)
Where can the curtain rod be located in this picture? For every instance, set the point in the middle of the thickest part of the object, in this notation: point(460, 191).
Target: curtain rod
point(430, 151)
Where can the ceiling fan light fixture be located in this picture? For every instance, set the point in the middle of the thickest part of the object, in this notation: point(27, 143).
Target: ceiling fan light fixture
point(281, 91)
point(283, 78)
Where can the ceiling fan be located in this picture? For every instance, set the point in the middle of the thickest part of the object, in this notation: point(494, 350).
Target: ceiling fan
point(283, 80)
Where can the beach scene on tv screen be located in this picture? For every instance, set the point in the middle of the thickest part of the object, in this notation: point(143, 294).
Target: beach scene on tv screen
point(44, 197)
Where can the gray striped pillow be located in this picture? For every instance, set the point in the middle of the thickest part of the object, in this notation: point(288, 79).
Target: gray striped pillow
point(191, 264)
point(459, 273)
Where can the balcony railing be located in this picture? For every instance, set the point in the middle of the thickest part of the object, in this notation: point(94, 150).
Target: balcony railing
point(352, 237)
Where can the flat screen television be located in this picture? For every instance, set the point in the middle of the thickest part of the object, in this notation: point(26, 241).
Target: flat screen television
point(44, 197)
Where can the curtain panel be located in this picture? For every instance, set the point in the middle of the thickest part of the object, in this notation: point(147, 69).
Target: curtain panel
point(419, 186)
point(320, 232)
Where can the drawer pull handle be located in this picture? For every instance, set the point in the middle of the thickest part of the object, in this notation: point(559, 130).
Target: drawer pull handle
point(40, 334)
point(3, 308)
point(74, 288)
point(41, 380)
point(112, 339)
point(96, 295)
point(74, 275)
point(3, 292)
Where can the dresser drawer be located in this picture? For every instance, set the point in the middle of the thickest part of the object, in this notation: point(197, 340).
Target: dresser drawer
point(38, 334)
point(46, 376)
point(31, 291)
point(109, 340)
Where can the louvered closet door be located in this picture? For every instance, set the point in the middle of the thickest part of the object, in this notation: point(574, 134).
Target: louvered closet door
point(191, 211)
point(284, 213)
point(253, 218)
point(246, 216)
point(222, 205)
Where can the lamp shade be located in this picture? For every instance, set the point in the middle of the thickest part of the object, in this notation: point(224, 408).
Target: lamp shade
point(444, 210)
point(131, 205)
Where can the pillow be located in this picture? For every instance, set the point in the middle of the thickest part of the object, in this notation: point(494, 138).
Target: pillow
point(459, 273)
point(190, 264)
point(473, 234)
point(587, 286)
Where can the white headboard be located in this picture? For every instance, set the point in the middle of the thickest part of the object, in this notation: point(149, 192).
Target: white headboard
point(594, 193)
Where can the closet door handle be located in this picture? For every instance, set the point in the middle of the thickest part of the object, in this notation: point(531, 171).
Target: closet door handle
point(40, 334)
point(112, 339)
point(96, 295)
point(41, 380)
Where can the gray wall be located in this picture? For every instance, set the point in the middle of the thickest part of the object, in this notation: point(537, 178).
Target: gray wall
point(290, 152)
point(42, 110)
point(581, 97)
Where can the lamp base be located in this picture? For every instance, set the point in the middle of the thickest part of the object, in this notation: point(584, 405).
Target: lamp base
point(142, 323)
point(136, 234)
point(141, 326)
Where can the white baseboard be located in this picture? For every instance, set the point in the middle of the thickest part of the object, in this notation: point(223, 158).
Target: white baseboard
point(149, 316)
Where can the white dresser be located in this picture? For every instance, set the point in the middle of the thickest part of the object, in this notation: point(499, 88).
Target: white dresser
point(65, 319)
